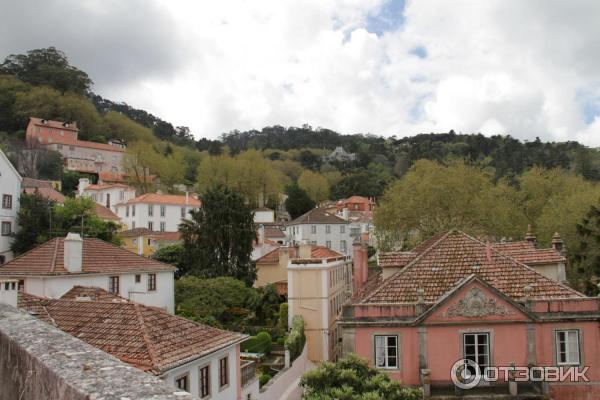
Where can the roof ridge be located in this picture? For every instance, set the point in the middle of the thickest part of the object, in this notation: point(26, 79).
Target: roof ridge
point(146, 336)
point(54, 255)
point(408, 266)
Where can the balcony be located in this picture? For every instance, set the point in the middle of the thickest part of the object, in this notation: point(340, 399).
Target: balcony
point(248, 372)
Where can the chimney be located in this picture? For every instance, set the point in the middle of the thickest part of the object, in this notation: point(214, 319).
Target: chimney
point(557, 243)
point(304, 250)
point(83, 183)
point(361, 266)
point(530, 237)
point(284, 257)
point(73, 252)
point(345, 213)
point(261, 234)
point(187, 197)
point(8, 291)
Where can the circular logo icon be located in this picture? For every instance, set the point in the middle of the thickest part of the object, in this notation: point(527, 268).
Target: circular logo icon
point(465, 374)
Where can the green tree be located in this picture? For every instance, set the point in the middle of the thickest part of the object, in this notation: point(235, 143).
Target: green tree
point(33, 219)
point(298, 201)
point(47, 67)
point(218, 239)
point(315, 185)
point(585, 257)
point(171, 254)
point(353, 379)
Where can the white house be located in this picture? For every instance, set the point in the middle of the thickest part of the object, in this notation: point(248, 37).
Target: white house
point(192, 357)
point(10, 188)
point(55, 267)
point(156, 211)
point(107, 195)
point(264, 216)
point(321, 228)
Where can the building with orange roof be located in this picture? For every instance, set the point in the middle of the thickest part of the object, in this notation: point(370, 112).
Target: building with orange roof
point(456, 303)
point(145, 243)
point(157, 211)
point(56, 266)
point(78, 155)
point(10, 188)
point(105, 194)
point(188, 356)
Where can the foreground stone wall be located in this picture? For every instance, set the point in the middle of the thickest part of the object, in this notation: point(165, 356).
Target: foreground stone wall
point(39, 362)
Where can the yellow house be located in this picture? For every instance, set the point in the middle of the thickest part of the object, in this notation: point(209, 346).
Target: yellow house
point(144, 242)
point(317, 289)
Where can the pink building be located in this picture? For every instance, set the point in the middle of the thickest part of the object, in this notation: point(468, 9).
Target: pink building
point(460, 299)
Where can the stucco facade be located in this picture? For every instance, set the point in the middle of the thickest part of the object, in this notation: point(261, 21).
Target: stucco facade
point(156, 212)
point(10, 190)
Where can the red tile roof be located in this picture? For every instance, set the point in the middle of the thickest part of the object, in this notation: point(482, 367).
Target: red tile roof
point(321, 252)
point(98, 257)
point(94, 294)
point(47, 192)
point(108, 186)
point(527, 253)
point(396, 259)
point(358, 199)
point(105, 213)
point(54, 124)
point(456, 256)
point(273, 232)
point(155, 198)
point(148, 338)
point(318, 216)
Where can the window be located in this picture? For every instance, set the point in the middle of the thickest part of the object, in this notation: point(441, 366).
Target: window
point(182, 212)
point(133, 225)
point(342, 229)
point(313, 229)
point(138, 278)
point(7, 201)
point(71, 148)
point(476, 347)
point(6, 228)
point(386, 351)
point(182, 383)
point(162, 210)
point(113, 284)
point(204, 382)
point(151, 282)
point(343, 246)
point(327, 228)
point(567, 347)
point(354, 232)
point(328, 244)
point(121, 195)
point(150, 225)
point(163, 226)
point(59, 146)
point(133, 210)
point(223, 372)
point(150, 210)
point(2, 259)
point(126, 210)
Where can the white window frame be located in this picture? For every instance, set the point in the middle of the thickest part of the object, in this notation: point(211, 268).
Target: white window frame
point(163, 226)
point(327, 228)
point(313, 229)
point(6, 224)
point(382, 350)
point(570, 334)
point(163, 210)
point(150, 210)
point(342, 228)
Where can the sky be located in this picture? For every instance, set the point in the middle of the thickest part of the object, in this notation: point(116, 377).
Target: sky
point(387, 67)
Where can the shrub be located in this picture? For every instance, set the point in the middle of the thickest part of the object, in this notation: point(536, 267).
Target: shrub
point(296, 338)
point(263, 379)
point(283, 316)
point(260, 343)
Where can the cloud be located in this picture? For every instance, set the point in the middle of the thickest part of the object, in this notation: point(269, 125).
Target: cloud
point(521, 68)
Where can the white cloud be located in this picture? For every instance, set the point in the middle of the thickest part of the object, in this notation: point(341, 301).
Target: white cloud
point(495, 66)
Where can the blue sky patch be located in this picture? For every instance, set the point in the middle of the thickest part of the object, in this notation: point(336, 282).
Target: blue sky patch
point(419, 51)
point(588, 99)
point(389, 18)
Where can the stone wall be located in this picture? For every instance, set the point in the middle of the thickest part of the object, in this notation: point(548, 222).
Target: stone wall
point(39, 362)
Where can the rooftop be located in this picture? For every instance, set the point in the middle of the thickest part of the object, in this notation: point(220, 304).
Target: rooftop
point(146, 337)
point(105, 213)
point(526, 252)
point(98, 257)
point(72, 126)
point(451, 257)
point(173, 199)
point(108, 186)
point(318, 216)
point(317, 252)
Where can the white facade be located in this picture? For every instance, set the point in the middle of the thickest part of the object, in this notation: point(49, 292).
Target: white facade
point(106, 195)
point(56, 286)
point(264, 216)
point(156, 217)
point(231, 391)
point(334, 236)
point(10, 189)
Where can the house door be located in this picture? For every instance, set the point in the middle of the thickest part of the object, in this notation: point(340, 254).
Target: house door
point(108, 200)
point(476, 347)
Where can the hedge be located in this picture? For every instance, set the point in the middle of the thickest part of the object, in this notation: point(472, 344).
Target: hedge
point(260, 343)
point(296, 338)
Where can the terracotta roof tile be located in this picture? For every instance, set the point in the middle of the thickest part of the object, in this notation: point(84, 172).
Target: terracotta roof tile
point(527, 253)
point(146, 337)
point(98, 257)
point(318, 216)
point(47, 192)
point(316, 252)
point(93, 292)
point(105, 213)
point(54, 124)
point(273, 232)
point(108, 186)
point(155, 198)
point(456, 256)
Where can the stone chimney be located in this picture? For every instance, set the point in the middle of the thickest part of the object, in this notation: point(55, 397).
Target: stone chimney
point(261, 234)
point(557, 243)
point(530, 237)
point(345, 214)
point(284, 257)
point(73, 252)
point(83, 183)
point(304, 250)
point(361, 266)
point(8, 291)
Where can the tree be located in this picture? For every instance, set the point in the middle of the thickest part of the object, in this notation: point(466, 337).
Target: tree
point(585, 266)
point(315, 185)
point(47, 67)
point(298, 202)
point(171, 254)
point(33, 219)
point(217, 241)
point(353, 379)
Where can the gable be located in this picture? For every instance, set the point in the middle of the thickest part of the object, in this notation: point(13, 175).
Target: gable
point(475, 302)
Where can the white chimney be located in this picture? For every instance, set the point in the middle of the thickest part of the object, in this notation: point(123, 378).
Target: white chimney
point(345, 213)
point(8, 291)
point(73, 252)
point(261, 234)
point(83, 183)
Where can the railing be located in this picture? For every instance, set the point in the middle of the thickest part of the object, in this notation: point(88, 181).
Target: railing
point(248, 372)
